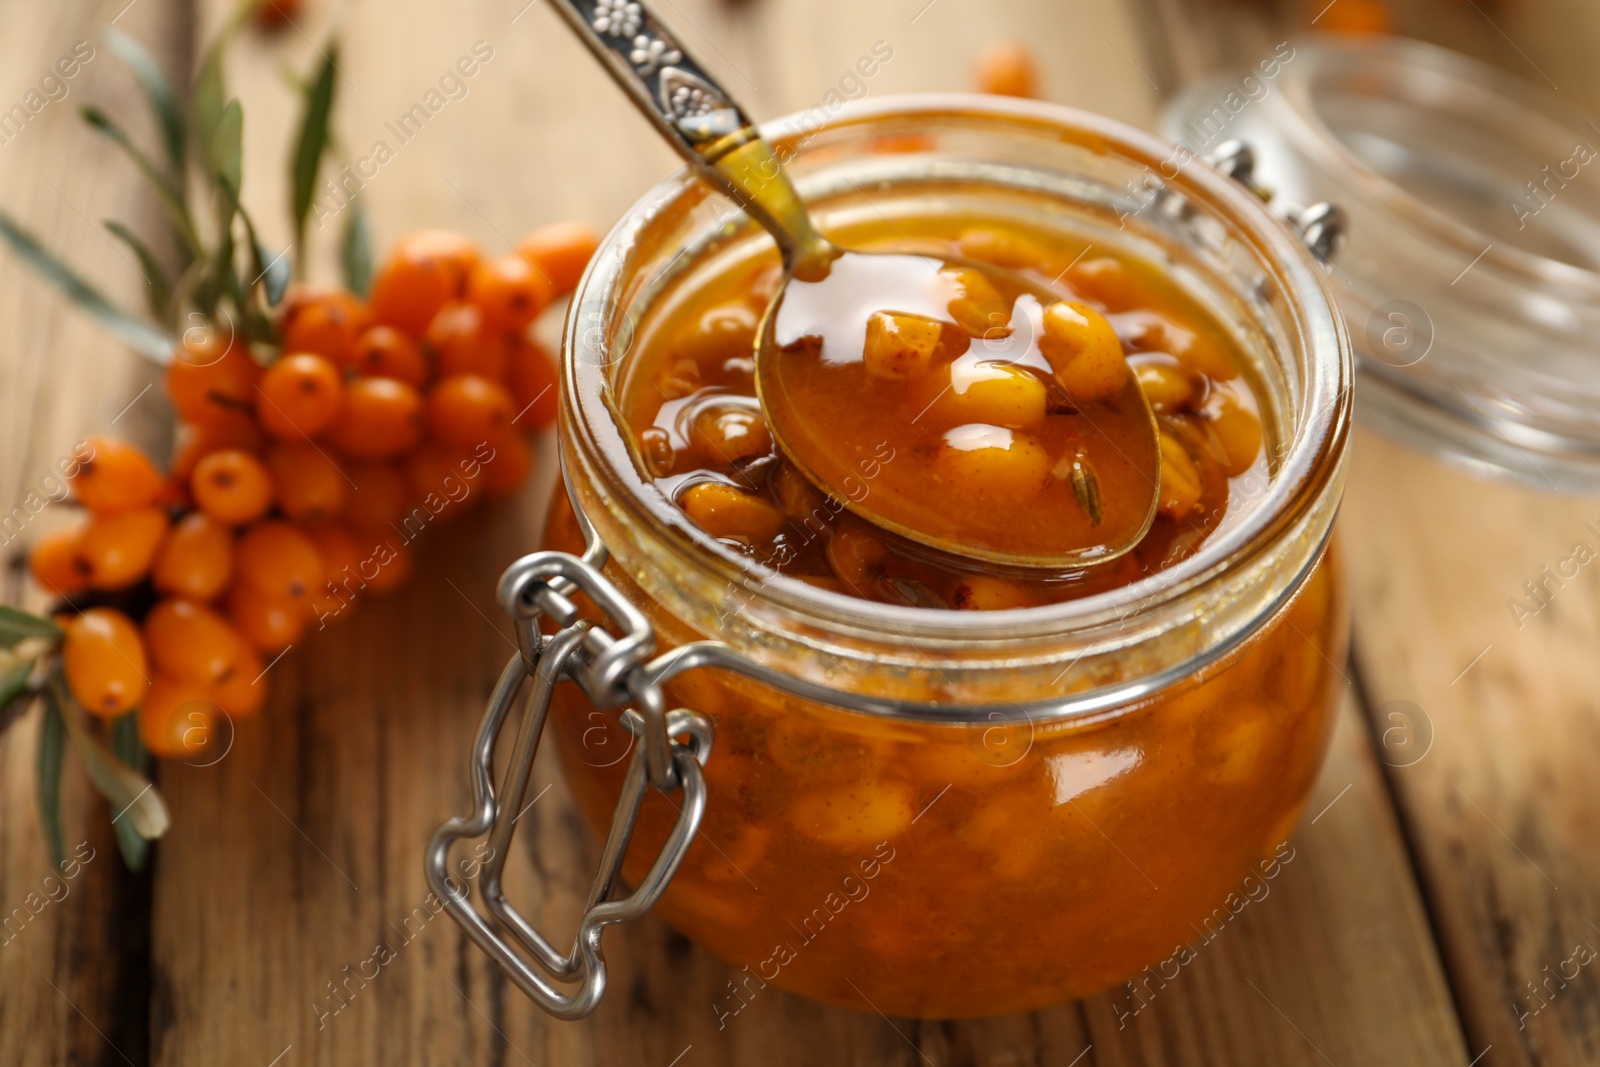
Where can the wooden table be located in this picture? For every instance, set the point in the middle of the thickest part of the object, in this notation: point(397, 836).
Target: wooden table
point(1438, 887)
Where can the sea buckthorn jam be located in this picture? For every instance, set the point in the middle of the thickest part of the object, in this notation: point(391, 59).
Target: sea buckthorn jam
point(981, 422)
point(981, 865)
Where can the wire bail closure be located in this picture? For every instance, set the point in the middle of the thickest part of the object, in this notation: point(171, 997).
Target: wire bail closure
point(613, 671)
point(1322, 226)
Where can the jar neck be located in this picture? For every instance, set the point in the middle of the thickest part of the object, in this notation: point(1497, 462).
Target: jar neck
point(1069, 659)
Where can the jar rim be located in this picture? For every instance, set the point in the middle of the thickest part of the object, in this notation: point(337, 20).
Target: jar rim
point(1412, 62)
point(1310, 462)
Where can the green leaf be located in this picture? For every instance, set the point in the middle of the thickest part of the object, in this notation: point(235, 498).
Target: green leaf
point(276, 272)
point(14, 683)
point(311, 143)
point(132, 796)
point(157, 91)
point(158, 291)
point(355, 250)
point(127, 747)
point(207, 98)
point(209, 94)
point(169, 194)
point(144, 336)
point(47, 777)
point(226, 152)
point(17, 625)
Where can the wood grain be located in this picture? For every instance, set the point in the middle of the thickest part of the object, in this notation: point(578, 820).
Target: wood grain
point(74, 979)
point(1501, 810)
point(300, 853)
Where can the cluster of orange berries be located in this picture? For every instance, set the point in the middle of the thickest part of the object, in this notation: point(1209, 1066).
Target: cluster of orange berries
point(292, 485)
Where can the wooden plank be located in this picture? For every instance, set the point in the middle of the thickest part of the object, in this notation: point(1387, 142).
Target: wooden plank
point(74, 975)
point(1501, 810)
point(300, 852)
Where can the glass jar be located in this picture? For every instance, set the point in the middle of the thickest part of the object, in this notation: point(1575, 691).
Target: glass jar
point(1471, 278)
point(940, 813)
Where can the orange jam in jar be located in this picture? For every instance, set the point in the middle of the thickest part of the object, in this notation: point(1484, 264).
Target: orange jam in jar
point(939, 788)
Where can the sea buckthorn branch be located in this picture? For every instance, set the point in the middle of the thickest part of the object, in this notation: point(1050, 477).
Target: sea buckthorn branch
point(320, 430)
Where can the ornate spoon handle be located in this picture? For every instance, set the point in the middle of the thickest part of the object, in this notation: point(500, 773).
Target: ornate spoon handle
point(699, 118)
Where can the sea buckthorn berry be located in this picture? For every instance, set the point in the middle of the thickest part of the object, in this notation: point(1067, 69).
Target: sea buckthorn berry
point(512, 461)
point(899, 346)
point(461, 341)
point(853, 815)
point(278, 560)
point(466, 408)
point(1108, 281)
point(1354, 16)
point(116, 550)
point(324, 322)
point(212, 380)
point(389, 564)
point(177, 718)
point(306, 483)
point(342, 559)
point(994, 460)
point(534, 382)
point(984, 391)
point(976, 305)
point(1006, 68)
point(655, 448)
point(730, 435)
point(724, 511)
point(1003, 248)
point(242, 692)
point(1198, 354)
point(104, 662)
point(983, 592)
point(117, 476)
point(797, 497)
point(300, 396)
point(382, 417)
point(857, 555)
point(1083, 350)
point(1166, 384)
point(509, 292)
point(268, 624)
point(232, 487)
point(560, 252)
point(724, 332)
point(274, 15)
point(1201, 354)
point(1181, 485)
point(1239, 431)
point(53, 561)
point(424, 271)
point(444, 476)
point(678, 379)
point(378, 498)
point(196, 442)
point(195, 560)
point(190, 641)
point(385, 352)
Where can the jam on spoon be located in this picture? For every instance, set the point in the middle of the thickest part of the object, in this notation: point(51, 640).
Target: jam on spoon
point(1002, 391)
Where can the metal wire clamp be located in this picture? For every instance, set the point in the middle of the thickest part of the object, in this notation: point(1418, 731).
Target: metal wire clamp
point(673, 747)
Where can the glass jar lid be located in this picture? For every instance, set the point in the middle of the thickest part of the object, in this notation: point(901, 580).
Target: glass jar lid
point(1470, 281)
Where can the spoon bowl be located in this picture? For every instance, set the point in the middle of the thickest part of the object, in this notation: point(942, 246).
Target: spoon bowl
point(1016, 434)
point(945, 400)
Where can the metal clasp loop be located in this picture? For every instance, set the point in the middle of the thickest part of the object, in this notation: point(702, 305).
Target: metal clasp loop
point(1322, 226)
point(612, 670)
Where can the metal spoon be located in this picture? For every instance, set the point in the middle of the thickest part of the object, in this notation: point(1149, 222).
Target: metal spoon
point(1082, 490)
